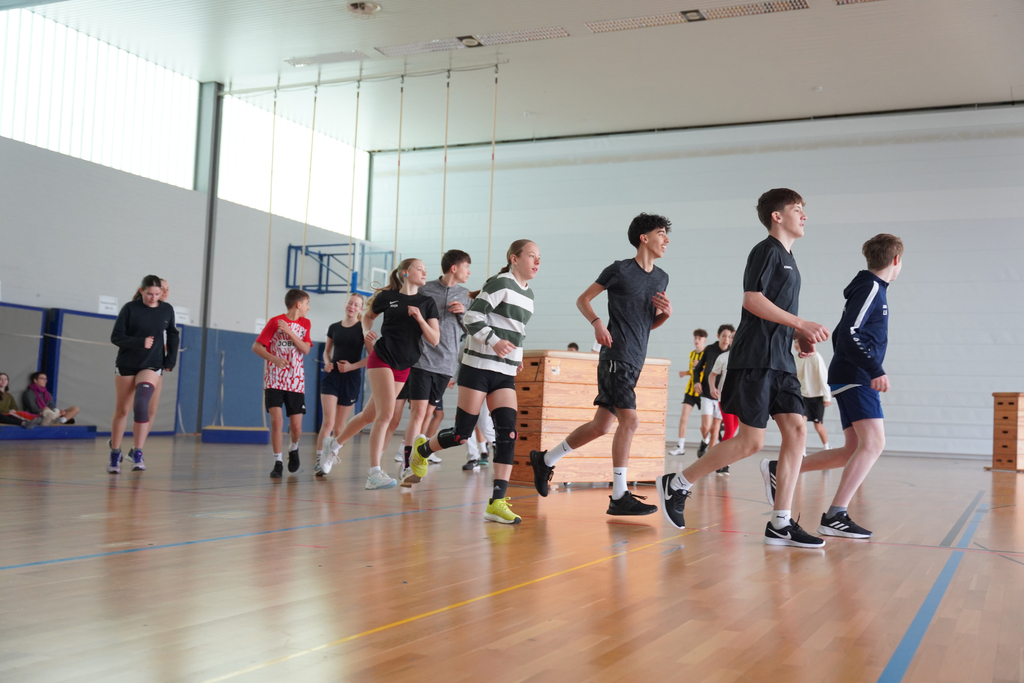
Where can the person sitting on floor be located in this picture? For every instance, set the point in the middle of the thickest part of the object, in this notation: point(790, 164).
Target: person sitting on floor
point(9, 407)
point(38, 401)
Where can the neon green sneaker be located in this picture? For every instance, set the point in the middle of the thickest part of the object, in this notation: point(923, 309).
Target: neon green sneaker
point(418, 462)
point(499, 510)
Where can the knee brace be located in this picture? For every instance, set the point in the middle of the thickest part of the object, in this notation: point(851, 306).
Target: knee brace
point(464, 425)
point(143, 393)
point(504, 435)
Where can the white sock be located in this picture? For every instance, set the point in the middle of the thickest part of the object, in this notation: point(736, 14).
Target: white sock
point(374, 469)
point(482, 448)
point(319, 453)
point(63, 420)
point(679, 483)
point(682, 443)
point(706, 439)
point(618, 482)
point(294, 446)
point(825, 446)
point(335, 447)
point(472, 450)
point(278, 458)
point(557, 453)
point(780, 518)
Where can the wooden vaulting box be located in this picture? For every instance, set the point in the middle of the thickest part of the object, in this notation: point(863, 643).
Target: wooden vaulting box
point(1008, 432)
point(556, 392)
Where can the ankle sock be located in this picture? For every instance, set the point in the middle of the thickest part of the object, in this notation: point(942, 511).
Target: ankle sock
point(780, 518)
point(825, 446)
point(835, 510)
point(278, 458)
point(374, 469)
point(618, 482)
point(294, 446)
point(557, 453)
point(679, 483)
point(682, 443)
point(706, 439)
point(500, 488)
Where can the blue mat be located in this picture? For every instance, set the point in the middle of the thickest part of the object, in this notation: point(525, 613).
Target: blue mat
point(253, 435)
point(12, 433)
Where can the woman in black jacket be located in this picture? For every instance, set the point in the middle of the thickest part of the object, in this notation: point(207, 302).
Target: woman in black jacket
point(141, 359)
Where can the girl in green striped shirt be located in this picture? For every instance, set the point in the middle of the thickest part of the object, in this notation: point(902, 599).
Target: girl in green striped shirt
point(496, 322)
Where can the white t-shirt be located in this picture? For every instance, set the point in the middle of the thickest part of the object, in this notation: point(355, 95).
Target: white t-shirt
point(720, 369)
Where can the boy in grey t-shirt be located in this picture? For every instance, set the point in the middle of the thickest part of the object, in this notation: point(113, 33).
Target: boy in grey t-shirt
point(636, 305)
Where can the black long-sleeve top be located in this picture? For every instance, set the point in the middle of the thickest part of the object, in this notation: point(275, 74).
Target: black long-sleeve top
point(702, 370)
point(135, 322)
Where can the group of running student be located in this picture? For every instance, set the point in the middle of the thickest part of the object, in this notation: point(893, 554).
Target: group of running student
point(752, 374)
point(147, 342)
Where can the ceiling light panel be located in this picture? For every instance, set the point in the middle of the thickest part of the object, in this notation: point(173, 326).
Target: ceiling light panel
point(328, 58)
point(635, 22)
point(755, 8)
point(522, 36)
point(441, 45)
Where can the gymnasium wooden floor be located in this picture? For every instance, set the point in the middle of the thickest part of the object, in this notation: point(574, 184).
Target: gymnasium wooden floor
point(204, 569)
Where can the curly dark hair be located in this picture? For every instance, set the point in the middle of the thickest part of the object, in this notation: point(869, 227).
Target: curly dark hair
point(645, 223)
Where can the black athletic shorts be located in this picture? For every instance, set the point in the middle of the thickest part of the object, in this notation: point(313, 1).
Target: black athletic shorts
point(294, 403)
point(343, 385)
point(691, 400)
point(486, 381)
point(752, 394)
point(616, 384)
point(131, 372)
point(424, 385)
point(814, 408)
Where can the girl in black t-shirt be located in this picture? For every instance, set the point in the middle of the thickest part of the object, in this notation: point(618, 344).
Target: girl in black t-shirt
point(343, 377)
point(408, 316)
point(142, 356)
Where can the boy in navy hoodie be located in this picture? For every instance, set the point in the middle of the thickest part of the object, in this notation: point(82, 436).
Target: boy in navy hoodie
point(856, 377)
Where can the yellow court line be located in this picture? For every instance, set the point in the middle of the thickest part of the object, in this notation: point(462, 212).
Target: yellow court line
point(346, 639)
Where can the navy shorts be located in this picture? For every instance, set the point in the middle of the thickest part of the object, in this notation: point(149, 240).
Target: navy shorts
point(691, 400)
point(344, 386)
point(752, 394)
point(856, 403)
point(616, 385)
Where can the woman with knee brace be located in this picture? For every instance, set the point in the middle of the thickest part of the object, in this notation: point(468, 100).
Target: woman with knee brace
point(496, 322)
point(139, 335)
point(408, 316)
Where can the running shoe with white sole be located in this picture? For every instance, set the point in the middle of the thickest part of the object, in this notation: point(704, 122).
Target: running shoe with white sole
point(842, 526)
point(135, 456)
point(791, 535)
point(768, 470)
point(678, 450)
point(500, 510)
point(114, 467)
point(379, 480)
point(673, 501)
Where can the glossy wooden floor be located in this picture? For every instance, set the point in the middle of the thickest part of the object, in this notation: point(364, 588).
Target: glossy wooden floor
point(204, 569)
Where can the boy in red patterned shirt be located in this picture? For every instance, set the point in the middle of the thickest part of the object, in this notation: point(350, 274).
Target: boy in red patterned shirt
point(282, 344)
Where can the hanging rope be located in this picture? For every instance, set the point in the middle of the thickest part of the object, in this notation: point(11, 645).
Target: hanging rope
point(309, 189)
point(494, 133)
point(352, 202)
point(270, 205)
point(398, 174)
point(444, 174)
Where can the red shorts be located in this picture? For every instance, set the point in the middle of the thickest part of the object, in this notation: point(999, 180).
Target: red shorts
point(374, 361)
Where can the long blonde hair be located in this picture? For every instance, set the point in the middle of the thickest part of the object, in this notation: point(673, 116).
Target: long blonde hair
point(359, 316)
point(395, 281)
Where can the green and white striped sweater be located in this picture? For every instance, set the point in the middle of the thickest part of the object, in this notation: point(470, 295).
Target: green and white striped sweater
point(500, 311)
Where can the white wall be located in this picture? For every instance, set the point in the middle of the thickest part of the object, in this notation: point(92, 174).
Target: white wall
point(73, 230)
point(951, 184)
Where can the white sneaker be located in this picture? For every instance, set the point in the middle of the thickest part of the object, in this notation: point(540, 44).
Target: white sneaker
point(400, 456)
point(329, 459)
point(434, 459)
point(678, 450)
point(379, 480)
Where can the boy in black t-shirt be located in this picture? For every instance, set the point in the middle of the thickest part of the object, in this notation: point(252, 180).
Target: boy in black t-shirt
point(636, 305)
point(762, 375)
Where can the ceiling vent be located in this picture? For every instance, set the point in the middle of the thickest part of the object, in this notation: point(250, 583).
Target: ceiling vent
point(852, 2)
point(365, 9)
point(689, 16)
point(481, 40)
point(328, 58)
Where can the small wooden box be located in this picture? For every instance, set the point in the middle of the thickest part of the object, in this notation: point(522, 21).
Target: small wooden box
point(1007, 430)
point(556, 392)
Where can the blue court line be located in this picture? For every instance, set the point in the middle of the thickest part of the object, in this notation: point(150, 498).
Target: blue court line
point(206, 540)
point(905, 651)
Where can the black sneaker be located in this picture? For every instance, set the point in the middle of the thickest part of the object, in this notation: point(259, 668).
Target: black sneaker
point(293, 460)
point(672, 501)
point(542, 473)
point(791, 534)
point(630, 505)
point(471, 465)
point(702, 449)
point(723, 470)
point(277, 471)
point(484, 459)
point(841, 525)
point(768, 468)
